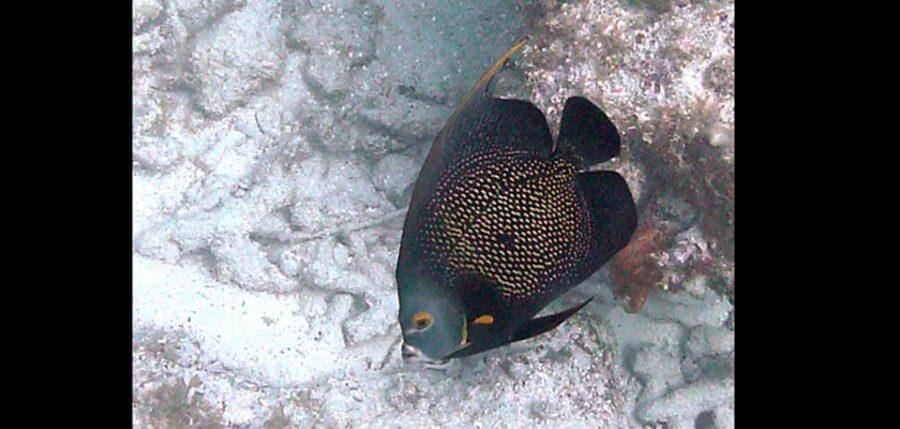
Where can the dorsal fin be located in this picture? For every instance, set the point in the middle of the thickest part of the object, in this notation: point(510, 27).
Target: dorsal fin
point(479, 91)
point(478, 94)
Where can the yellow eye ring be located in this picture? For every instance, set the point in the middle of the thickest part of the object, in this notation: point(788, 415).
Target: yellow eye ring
point(422, 320)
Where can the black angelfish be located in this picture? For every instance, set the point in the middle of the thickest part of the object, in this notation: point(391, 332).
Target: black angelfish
point(501, 223)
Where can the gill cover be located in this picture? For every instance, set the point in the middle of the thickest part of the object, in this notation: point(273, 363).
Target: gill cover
point(431, 322)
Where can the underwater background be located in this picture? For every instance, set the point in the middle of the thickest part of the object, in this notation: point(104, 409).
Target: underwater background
point(274, 148)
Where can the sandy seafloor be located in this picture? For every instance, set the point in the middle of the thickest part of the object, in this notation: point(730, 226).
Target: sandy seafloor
point(274, 147)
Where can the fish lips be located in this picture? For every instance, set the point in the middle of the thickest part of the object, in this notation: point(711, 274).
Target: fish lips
point(412, 355)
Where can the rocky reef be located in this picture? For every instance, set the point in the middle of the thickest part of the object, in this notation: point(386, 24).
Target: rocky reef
point(274, 145)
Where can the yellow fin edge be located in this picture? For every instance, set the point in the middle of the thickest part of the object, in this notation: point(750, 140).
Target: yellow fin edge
point(485, 78)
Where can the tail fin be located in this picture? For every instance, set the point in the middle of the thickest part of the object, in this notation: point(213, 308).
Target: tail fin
point(586, 134)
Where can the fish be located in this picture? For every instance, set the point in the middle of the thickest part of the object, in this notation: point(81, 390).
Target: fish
point(503, 220)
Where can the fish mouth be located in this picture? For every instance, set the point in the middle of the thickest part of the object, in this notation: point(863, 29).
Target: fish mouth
point(410, 352)
point(413, 355)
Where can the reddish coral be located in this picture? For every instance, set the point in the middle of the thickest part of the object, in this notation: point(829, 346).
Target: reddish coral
point(634, 271)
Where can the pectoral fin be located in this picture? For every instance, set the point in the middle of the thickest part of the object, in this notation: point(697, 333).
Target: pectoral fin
point(535, 327)
point(532, 328)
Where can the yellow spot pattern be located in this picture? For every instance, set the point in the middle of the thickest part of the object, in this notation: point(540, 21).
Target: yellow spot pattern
point(512, 217)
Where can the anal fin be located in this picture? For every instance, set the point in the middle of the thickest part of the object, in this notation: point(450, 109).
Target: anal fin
point(535, 327)
point(612, 211)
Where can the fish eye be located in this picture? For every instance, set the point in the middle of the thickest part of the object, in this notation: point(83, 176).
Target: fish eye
point(422, 320)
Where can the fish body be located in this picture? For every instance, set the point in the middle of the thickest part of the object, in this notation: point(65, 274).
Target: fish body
point(502, 222)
